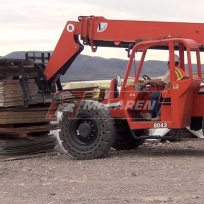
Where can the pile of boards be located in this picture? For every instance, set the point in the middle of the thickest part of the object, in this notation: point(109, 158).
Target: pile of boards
point(26, 130)
point(23, 130)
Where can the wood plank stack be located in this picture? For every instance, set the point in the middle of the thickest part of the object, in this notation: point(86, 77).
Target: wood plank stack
point(11, 92)
point(41, 144)
point(71, 96)
point(26, 129)
point(22, 129)
point(18, 115)
point(10, 66)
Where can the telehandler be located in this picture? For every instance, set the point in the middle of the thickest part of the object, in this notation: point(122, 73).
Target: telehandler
point(89, 129)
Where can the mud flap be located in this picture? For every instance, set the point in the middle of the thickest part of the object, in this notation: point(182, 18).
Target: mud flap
point(196, 123)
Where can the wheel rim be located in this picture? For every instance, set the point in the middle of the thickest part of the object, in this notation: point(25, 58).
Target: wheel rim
point(84, 130)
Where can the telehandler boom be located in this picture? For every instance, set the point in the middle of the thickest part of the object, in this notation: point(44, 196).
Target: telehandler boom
point(99, 32)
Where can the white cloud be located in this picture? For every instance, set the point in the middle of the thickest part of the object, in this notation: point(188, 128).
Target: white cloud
point(37, 25)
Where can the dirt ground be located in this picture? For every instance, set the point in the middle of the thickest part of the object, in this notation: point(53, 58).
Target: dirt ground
point(154, 173)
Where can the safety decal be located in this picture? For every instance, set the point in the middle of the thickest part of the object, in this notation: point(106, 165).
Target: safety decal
point(175, 86)
point(132, 94)
point(102, 27)
point(70, 27)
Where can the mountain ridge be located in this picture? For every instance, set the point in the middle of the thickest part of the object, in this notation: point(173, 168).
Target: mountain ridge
point(97, 68)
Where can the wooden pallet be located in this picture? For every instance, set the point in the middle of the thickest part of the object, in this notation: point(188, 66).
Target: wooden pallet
point(38, 144)
point(16, 115)
point(18, 131)
point(24, 128)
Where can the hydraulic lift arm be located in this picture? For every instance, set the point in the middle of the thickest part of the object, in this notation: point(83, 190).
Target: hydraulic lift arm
point(100, 32)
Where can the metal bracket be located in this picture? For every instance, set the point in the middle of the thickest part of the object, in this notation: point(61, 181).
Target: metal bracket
point(156, 136)
point(131, 45)
point(44, 91)
point(23, 80)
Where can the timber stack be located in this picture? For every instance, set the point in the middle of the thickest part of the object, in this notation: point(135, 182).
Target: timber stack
point(26, 129)
point(22, 129)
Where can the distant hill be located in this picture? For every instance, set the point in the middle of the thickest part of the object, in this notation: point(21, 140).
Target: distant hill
point(96, 68)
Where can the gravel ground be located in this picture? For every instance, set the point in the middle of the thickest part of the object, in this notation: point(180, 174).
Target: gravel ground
point(154, 173)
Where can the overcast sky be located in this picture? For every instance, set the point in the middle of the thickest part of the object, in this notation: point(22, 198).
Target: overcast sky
point(37, 25)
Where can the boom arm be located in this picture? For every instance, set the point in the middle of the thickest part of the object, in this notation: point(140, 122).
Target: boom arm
point(98, 31)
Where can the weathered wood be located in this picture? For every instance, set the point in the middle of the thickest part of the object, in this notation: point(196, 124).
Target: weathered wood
point(11, 62)
point(12, 117)
point(13, 71)
point(29, 129)
point(11, 93)
point(19, 122)
point(39, 144)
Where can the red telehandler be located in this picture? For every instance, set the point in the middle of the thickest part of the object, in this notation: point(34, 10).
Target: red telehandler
point(90, 128)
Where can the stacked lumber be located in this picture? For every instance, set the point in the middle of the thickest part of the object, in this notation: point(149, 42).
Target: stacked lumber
point(26, 130)
point(84, 93)
point(71, 96)
point(11, 92)
point(23, 129)
point(9, 68)
point(41, 144)
point(18, 115)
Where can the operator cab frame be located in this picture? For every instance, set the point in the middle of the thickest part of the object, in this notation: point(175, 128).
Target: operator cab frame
point(178, 113)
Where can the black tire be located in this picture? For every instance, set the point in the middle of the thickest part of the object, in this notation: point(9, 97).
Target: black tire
point(124, 139)
point(90, 134)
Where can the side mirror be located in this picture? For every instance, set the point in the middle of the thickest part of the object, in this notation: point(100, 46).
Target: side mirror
point(119, 81)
